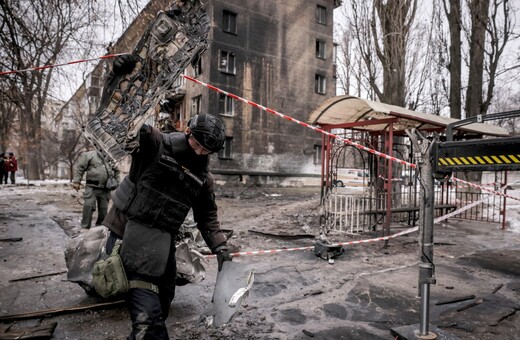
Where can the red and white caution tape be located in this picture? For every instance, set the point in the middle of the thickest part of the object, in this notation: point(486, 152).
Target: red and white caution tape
point(350, 243)
point(283, 250)
point(494, 192)
point(460, 210)
point(39, 68)
point(346, 141)
point(377, 239)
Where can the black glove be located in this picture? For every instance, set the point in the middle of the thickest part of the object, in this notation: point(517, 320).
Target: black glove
point(124, 64)
point(223, 255)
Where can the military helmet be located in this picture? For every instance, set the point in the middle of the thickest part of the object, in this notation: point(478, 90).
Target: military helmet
point(208, 130)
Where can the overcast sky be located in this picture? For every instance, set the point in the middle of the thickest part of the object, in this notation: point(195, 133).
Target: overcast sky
point(69, 78)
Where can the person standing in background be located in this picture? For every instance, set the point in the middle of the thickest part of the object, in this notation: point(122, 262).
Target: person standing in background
point(11, 167)
point(96, 190)
point(3, 169)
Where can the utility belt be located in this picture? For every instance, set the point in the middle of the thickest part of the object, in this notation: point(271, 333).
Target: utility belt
point(91, 182)
point(109, 277)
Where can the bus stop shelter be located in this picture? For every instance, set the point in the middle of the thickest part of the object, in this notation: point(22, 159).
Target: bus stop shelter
point(377, 126)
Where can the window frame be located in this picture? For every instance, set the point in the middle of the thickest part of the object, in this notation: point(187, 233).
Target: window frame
point(317, 153)
point(229, 19)
point(321, 15)
point(196, 103)
point(226, 105)
point(227, 150)
point(225, 55)
point(197, 67)
point(321, 49)
point(320, 84)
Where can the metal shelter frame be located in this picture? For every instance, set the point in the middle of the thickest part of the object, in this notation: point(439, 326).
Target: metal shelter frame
point(383, 122)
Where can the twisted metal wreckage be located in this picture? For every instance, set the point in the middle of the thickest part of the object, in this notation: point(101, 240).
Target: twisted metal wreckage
point(171, 42)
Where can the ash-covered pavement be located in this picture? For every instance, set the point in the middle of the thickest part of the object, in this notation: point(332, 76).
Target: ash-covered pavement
point(367, 291)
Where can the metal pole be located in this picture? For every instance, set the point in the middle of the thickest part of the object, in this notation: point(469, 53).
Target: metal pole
point(505, 202)
point(422, 148)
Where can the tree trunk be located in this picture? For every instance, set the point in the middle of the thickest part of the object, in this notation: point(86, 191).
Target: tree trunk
point(395, 18)
point(455, 26)
point(479, 10)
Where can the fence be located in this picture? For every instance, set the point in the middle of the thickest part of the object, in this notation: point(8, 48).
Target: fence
point(356, 212)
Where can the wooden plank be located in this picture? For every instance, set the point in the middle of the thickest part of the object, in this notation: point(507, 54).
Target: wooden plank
point(11, 239)
point(58, 311)
point(37, 276)
point(455, 300)
point(37, 332)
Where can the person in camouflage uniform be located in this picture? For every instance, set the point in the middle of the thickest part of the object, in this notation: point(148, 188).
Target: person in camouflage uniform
point(96, 191)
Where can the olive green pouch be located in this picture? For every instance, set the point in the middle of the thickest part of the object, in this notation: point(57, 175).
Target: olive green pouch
point(109, 276)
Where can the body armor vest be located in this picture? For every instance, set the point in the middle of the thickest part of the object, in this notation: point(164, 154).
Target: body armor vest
point(166, 189)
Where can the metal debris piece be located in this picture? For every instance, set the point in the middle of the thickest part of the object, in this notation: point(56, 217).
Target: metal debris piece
point(327, 251)
point(231, 289)
point(282, 236)
point(82, 253)
point(189, 266)
point(175, 38)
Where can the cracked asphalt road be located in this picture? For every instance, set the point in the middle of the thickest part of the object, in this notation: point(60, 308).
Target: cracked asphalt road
point(367, 291)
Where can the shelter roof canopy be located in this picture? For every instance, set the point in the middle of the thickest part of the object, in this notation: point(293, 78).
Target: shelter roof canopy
point(361, 114)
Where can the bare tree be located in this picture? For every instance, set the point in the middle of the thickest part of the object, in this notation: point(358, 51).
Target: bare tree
point(8, 112)
point(45, 32)
point(382, 56)
point(35, 33)
point(500, 31)
point(454, 15)
point(359, 49)
point(66, 148)
point(478, 10)
point(395, 18)
point(507, 99)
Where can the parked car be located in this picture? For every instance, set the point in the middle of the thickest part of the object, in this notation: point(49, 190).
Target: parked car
point(351, 177)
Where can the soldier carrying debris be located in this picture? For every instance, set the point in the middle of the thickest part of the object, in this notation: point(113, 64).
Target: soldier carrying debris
point(168, 176)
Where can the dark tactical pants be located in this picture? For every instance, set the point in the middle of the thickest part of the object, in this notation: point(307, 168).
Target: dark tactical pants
point(148, 310)
point(92, 197)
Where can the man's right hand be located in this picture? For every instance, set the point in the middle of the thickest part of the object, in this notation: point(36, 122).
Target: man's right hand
point(76, 186)
point(124, 64)
point(222, 256)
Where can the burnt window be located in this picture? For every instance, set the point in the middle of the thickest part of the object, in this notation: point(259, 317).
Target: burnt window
point(197, 66)
point(320, 49)
point(317, 154)
point(195, 105)
point(225, 152)
point(227, 62)
point(229, 22)
point(225, 105)
point(320, 84)
point(321, 15)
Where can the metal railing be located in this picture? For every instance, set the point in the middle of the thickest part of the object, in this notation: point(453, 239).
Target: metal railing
point(357, 212)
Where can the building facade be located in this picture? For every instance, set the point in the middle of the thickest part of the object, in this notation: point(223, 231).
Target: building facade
point(279, 54)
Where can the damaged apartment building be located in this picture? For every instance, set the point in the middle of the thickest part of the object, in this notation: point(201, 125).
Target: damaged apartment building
point(278, 54)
